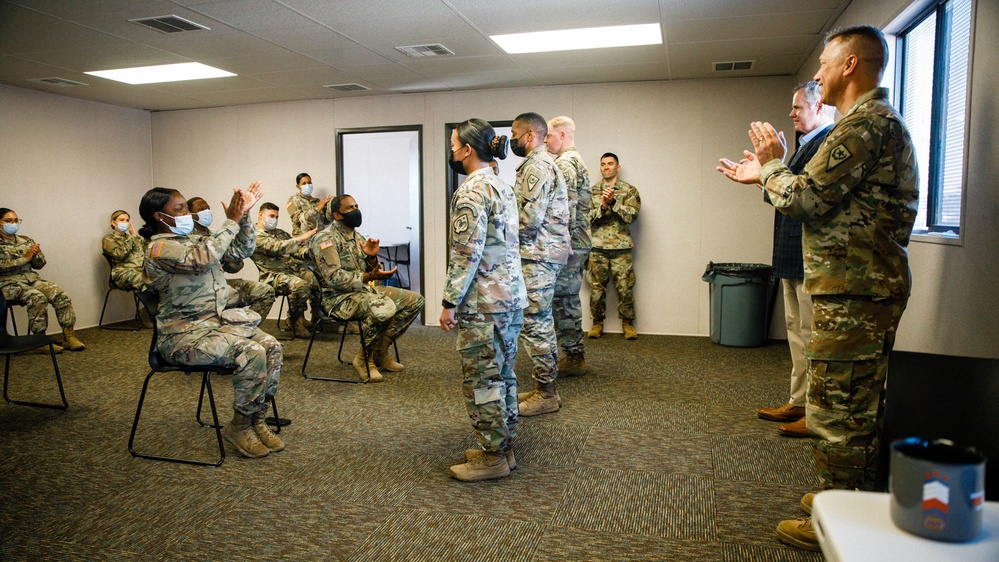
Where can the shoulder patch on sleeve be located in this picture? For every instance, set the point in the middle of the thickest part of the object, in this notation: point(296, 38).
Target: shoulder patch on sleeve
point(325, 244)
point(837, 156)
point(155, 249)
point(460, 223)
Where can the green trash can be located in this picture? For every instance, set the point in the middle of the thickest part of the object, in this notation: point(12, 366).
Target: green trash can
point(739, 302)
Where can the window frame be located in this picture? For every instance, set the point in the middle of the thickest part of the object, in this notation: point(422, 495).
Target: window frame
point(930, 186)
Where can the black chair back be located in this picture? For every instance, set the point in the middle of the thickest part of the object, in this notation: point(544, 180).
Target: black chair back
point(151, 301)
point(3, 314)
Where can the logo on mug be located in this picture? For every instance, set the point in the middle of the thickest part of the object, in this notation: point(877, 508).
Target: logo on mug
point(936, 497)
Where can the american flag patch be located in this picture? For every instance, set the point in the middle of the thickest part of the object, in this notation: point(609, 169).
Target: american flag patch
point(154, 250)
point(325, 244)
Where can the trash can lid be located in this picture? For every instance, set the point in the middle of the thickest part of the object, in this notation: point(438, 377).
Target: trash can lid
point(739, 269)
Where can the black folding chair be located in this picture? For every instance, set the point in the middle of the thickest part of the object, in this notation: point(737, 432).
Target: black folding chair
point(11, 345)
point(323, 318)
point(158, 364)
point(112, 287)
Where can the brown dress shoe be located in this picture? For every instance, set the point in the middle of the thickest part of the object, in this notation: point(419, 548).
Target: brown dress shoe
point(786, 413)
point(794, 429)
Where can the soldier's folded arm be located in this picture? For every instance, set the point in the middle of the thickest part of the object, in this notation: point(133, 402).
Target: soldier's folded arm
point(627, 207)
point(839, 166)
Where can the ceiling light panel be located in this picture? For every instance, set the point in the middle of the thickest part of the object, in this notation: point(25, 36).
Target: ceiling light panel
point(162, 73)
point(576, 39)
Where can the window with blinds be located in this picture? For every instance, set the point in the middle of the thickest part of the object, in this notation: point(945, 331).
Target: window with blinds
point(933, 61)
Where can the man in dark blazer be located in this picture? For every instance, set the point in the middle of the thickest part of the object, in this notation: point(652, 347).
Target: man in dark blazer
point(812, 121)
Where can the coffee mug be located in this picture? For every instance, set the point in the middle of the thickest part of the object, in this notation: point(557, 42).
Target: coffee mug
point(937, 489)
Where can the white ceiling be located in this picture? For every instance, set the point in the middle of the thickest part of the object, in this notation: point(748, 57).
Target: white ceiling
point(286, 50)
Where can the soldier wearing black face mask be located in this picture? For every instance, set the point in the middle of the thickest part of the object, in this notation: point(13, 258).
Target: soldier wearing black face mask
point(345, 263)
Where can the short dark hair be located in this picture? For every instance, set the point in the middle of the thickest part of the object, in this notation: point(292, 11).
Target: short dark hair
point(193, 200)
point(872, 47)
point(268, 206)
point(4, 211)
point(298, 179)
point(534, 122)
point(610, 155)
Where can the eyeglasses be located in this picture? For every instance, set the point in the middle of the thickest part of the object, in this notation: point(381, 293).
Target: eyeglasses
point(11, 221)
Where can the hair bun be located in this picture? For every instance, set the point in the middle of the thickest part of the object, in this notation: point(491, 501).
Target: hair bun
point(498, 146)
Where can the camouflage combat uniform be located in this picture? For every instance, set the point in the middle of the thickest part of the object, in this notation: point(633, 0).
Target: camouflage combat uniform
point(857, 201)
point(283, 264)
point(187, 274)
point(542, 200)
point(567, 309)
point(21, 284)
point(485, 282)
point(611, 254)
point(244, 293)
point(125, 253)
point(340, 266)
point(305, 214)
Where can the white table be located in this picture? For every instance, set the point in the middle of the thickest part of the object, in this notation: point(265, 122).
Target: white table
point(856, 526)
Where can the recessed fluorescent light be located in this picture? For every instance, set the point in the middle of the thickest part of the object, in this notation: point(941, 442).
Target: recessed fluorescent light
point(162, 73)
point(574, 39)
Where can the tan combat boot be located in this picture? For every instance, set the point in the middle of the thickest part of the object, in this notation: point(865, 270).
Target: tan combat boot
point(239, 434)
point(799, 533)
point(486, 466)
point(358, 364)
point(299, 329)
point(511, 461)
point(572, 365)
point(267, 437)
point(543, 400)
point(629, 329)
point(70, 342)
point(44, 349)
point(596, 331)
point(147, 322)
point(383, 359)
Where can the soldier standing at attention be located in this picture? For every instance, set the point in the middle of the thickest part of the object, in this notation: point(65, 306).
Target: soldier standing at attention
point(20, 256)
point(856, 200)
point(306, 211)
point(283, 263)
point(813, 120)
point(484, 298)
point(567, 309)
point(254, 295)
point(543, 206)
point(345, 263)
point(194, 328)
point(614, 207)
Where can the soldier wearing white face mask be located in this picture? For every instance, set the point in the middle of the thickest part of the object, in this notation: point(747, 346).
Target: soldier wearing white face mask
point(306, 211)
point(283, 263)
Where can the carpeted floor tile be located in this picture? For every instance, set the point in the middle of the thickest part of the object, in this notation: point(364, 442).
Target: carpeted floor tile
point(567, 544)
point(748, 512)
point(647, 451)
point(782, 460)
point(646, 503)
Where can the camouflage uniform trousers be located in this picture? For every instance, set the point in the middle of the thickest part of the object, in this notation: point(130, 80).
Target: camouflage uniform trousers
point(383, 311)
point(301, 290)
point(35, 297)
point(847, 369)
point(605, 264)
point(254, 295)
point(257, 360)
point(567, 308)
point(488, 347)
point(539, 326)
point(127, 279)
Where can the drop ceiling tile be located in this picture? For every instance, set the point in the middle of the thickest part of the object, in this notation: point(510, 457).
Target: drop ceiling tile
point(195, 88)
point(590, 57)
point(603, 73)
point(686, 67)
point(747, 27)
point(24, 31)
point(743, 49)
point(545, 16)
point(345, 13)
point(701, 9)
point(444, 66)
point(482, 80)
point(385, 34)
point(272, 62)
point(304, 77)
point(243, 97)
point(252, 15)
point(202, 45)
point(105, 57)
point(309, 37)
point(68, 9)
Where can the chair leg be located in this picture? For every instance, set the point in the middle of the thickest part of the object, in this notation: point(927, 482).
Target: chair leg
point(137, 321)
point(315, 328)
point(62, 393)
point(100, 323)
point(201, 399)
point(277, 421)
point(206, 383)
point(284, 299)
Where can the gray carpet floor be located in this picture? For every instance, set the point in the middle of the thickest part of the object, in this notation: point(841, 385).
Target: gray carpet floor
point(657, 454)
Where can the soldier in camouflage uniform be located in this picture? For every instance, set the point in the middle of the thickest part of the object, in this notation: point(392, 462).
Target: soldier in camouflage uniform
point(257, 296)
point(193, 326)
point(567, 309)
point(19, 257)
point(484, 298)
point(283, 263)
point(345, 263)
point(306, 211)
point(124, 250)
point(857, 200)
point(543, 203)
point(614, 206)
